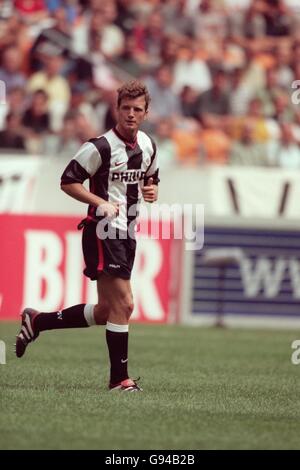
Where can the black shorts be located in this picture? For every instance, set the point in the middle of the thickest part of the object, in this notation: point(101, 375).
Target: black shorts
point(111, 256)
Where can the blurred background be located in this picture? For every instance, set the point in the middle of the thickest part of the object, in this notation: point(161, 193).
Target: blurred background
point(225, 114)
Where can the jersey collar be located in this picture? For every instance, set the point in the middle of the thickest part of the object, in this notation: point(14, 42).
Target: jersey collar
point(131, 145)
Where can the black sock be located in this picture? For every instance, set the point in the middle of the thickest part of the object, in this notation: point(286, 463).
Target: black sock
point(117, 343)
point(72, 317)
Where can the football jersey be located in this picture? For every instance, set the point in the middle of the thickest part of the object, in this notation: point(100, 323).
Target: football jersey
point(117, 170)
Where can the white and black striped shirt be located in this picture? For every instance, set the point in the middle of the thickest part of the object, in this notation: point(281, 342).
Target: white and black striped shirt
point(116, 170)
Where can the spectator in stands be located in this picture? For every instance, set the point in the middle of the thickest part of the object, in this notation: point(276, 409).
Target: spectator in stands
point(189, 102)
point(169, 53)
point(246, 151)
point(112, 43)
point(132, 60)
point(65, 143)
point(33, 11)
point(209, 22)
point(11, 71)
point(285, 152)
point(105, 111)
point(15, 103)
point(93, 70)
point(164, 102)
point(282, 112)
point(8, 30)
point(150, 35)
point(256, 117)
point(240, 94)
point(270, 90)
point(279, 21)
point(228, 53)
point(187, 138)
point(12, 137)
point(79, 102)
point(215, 141)
point(254, 77)
point(166, 144)
point(98, 70)
point(54, 40)
point(36, 117)
point(6, 9)
point(190, 70)
point(15, 32)
point(295, 57)
point(55, 86)
point(17, 100)
point(126, 16)
point(99, 24)
point(296, 126)
point(176, 19)
point(249, 23)
point(71, 8)
point(215, 101)
point(84, 129)
point(283, 109)
point(285, 74)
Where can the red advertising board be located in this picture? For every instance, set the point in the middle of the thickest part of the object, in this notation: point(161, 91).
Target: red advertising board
point(42, 264)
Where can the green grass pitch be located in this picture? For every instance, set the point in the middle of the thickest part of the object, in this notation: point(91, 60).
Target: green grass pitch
point(204, 388)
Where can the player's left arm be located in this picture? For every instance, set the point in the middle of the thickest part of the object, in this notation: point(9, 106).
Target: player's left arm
point(150, 192)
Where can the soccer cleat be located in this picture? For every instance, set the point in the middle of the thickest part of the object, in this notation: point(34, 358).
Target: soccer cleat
point(127, 385)
point(27, 333)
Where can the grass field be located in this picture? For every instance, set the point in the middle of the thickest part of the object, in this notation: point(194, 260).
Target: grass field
point(203, 389)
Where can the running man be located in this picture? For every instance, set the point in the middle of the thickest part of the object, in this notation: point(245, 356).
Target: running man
point(122, 167)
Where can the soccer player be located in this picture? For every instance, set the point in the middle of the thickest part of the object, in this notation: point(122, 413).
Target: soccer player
point(121, 166)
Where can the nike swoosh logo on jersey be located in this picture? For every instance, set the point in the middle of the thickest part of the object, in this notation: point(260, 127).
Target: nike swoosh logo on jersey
point(124, 360)
point(119, 163)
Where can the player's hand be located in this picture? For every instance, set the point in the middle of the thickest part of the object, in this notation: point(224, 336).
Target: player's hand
point(108, 209)
point(150, 191)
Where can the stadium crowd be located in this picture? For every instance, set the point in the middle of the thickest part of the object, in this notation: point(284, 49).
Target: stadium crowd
point(221, 74)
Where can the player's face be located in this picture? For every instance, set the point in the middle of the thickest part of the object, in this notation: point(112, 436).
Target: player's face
point(131, 114)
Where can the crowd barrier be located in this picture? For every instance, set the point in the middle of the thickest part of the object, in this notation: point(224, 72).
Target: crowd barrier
point(42, 264)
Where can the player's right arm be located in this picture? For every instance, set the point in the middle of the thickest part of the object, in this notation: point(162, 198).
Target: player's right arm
point(84, 165)
point(79, 192)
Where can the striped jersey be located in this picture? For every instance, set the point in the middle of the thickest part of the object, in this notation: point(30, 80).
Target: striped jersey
point(117, 170)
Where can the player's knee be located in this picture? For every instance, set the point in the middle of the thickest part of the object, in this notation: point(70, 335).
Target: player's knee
point(127, 306)
point(101, 313)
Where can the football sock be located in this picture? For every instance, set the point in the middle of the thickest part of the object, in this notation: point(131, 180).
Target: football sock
point(78, 316)
point(117, 343)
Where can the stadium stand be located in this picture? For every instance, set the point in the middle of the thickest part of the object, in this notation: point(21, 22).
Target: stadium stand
point(62, 61)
